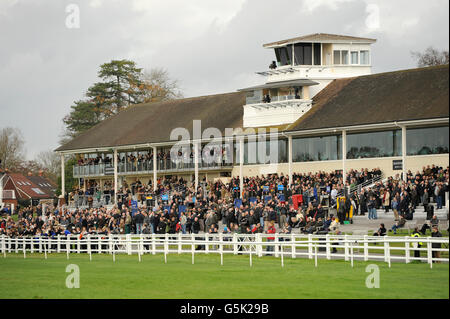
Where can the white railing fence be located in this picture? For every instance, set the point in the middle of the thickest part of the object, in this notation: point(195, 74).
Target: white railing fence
point(349, 248)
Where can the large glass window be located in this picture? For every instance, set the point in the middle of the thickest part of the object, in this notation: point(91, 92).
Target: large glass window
point(303, 53)
point(364, 56)
point(283, 55)
point(374, 144)
point(344, 57)
point(354, 57)
point(337, 57)
point(308, 149)
point(253, 97)
point(265, 152)
point(317, 55)
point(430, 140)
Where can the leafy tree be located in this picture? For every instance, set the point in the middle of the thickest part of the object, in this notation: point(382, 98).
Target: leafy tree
point(122, 84)
point(84, 115)
point(430, 57)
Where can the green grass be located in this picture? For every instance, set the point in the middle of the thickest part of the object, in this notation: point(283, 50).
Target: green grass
point(36, 277)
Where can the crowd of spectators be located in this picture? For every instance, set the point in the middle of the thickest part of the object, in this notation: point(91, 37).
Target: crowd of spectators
point(403, 197)
point(267, 201)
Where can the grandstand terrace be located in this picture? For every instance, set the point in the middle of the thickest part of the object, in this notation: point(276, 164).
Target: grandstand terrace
point(368, 121)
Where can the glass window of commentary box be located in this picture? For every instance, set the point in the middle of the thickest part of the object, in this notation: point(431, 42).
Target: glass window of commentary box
point(263, 152)
point(323, 148)
point(374, 144)
point(425, 141)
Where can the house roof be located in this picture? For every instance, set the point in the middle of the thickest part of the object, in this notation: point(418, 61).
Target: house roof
point(44, 184)
point(413, 94)
point(154, 122)
point(26, 188)
point(321, 37)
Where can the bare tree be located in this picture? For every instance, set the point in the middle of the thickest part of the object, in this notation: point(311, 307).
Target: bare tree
point(11, 148)
point(50, 162)
point(430, 57)
point(158, 86)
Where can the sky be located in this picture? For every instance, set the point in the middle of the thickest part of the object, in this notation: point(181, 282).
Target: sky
point(50, 51)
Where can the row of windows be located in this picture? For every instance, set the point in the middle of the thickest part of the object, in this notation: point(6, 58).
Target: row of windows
point(356, 57)
point(419, 141)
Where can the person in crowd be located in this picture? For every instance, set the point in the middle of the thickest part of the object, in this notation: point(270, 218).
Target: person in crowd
point(401, 223)
point(381, 231)
point(436, 253)
point(416, 245)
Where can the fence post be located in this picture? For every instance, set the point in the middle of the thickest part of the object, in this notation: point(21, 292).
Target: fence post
point(221, 248)
point(235, 249)
point(67, 246)
point(206, 243)
point(166, 247)
point(282, 253)
point(17, 245)
point(366, 247)
point(277, 247)
point(89, 247)
point(387, 251)
point(351, 254)
point(4, 246)
point(24, 245)
point(153, 244)
point(58, 245)
point(260, 247)
point(32, 244)
point(128, 243)
point(45, 250)
point(293, 245)
point(310, 247)
point(429, 253)
point(179, 244)
point(110, 244)
point(192, 247)
point(78, 244)
point(327, 245)
point(407, 253)
point(315, 255)
point(346, 247)
point(40, 245)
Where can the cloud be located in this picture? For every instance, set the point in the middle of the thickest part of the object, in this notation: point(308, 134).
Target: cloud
point(209, 46)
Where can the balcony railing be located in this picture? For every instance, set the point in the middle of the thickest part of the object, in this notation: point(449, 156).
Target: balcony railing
point(283, 101)
point(144, 167)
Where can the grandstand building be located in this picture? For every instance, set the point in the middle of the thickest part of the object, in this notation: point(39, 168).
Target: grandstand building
point(320, 106)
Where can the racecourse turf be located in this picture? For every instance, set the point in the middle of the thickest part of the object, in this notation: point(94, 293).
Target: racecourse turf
point(36, 277)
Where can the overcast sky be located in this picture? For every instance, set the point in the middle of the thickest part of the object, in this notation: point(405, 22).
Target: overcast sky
point(210, 46)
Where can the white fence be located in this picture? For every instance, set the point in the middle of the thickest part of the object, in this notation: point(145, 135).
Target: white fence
point(349, 248)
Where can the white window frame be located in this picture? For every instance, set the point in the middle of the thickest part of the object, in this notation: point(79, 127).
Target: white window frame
point(342, 57)
point(351, 57)
point(368, 57)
